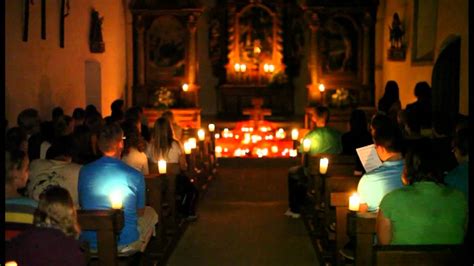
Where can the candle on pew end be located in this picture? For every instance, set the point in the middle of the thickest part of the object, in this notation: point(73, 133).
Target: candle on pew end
point(354, 202)
point(162, 166)
point(294, 134)
point(192, 142)
point(116, 199)
point(212, 127)
point(11, 263)
point(323, 166)
point(306, 145)
point(293, 153)
point(201, 134)
point(187, 147)
point(218, 151)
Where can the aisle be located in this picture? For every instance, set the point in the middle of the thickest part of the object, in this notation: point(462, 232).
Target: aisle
point(241, 220)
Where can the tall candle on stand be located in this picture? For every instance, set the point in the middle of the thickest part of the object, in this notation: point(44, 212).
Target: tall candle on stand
point(354, 202)
point(201, 134)
point(187, 147)
point(321, 89)
point(323, 166)
point(294, 134)
point(212, 127)
point(162, 166)
point(192, 142)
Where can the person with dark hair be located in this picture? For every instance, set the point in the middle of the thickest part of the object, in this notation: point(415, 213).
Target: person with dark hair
point(323, 140)
point(16, 139)
point(94, 122)
point(53, 239)
point(57, 169)
point(29, 121)
point(421, 109)
point(108, 176)
point(82, 152)
point(18, 209)
point(390, 103)
point(78, 116)
point(358, 136)
point(388, 143)
point(57, 113)
point(177, 129)
point(134, 147)
point(425, 211)
point(458, 177)
point(117, 111)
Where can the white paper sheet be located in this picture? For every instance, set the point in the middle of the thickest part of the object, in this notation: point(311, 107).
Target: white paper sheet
point(368, 157)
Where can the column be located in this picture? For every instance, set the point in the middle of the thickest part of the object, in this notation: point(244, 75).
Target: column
point(314, 95)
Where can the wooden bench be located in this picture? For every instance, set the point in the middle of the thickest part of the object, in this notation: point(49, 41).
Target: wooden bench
point(107, 224)
point(368, 254)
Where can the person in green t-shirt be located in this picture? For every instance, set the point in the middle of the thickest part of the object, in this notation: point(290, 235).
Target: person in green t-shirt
point(425, 211)
point(323, 140)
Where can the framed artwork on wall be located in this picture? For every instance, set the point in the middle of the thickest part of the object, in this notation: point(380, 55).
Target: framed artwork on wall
point(424, 31)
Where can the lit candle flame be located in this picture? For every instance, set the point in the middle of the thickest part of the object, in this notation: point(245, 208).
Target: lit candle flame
point(116, 199)
point(162, 166)
point(192, 143)
point(211, 127)
point(237, 67)
point(201, 134)
point(321, 87)
point(354, 202)
point(323, 165)
point(294, 134)
point(306, 145)
point(243, 67)
point(185, 87)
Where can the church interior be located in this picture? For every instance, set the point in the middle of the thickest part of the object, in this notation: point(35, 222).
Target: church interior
point(247, 79)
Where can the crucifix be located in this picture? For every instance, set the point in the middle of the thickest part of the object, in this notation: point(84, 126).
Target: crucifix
point(257, 112)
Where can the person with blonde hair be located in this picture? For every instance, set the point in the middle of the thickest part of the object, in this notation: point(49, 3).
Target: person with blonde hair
point(53, 239)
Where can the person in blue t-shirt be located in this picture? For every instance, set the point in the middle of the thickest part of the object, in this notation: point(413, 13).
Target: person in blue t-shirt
point(109, 175)
point(388, 142)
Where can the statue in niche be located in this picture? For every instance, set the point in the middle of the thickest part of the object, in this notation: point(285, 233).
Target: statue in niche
point(256, 35)
point(397, 46)
point(166, 40)
point(96, 43)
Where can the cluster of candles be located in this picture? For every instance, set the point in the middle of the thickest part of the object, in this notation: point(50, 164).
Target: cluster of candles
point(240, 67)
point(268, 68)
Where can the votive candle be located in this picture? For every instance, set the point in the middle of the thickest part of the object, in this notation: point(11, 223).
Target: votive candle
point(354, 202)
point(162, 166)
point(306, 145)
point(323, 165)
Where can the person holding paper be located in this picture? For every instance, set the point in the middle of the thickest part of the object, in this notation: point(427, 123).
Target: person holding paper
point(323, 140)
point(376, 183)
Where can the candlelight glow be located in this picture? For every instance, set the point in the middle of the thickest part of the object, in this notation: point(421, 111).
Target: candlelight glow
point(306, 145)
point(265, 68)
point(294, 134)
point(323, 165)
point(11, 263)
point(187, 147)
point(217, 135)
point(211, 127)
point(280, 134)
point(218, 149)
point(116, 199)
point(162, 166)
point(257, 50)
point(321, 87)
point(192, 142)
point(237, 67)
point(243, 68)
point(271, 68)
point(201, 134)
point(185, 87)
point(354, 202)
point(293, 153)
point(274, 148)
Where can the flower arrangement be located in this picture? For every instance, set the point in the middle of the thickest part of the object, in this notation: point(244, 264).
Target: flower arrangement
point(341, 98)
point(164, 98)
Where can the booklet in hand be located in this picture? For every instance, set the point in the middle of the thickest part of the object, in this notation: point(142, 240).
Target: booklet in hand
point(368, 157)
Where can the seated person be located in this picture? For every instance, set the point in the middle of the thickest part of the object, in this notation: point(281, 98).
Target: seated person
point(323, 140)
point(18, 209)
point(358, 136)
point(108, 175)
point(378, 182)
point(134, 147)
point(424, 211)
point(458, 177)
point(57, 169)
point(53, 239)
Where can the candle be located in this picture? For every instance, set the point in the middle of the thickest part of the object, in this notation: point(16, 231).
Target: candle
point(237, 67)
point(192, 143)
point(217, 135)
point(162, 166)
point(265, 68)
point(274, 149)
point(243, 67)
point(218, 151)
point(294, 134)
point(271, 68)
point(306, 145)
point(116, 199)
point(201, 134)
point(187, 147)
point(354, 202)
point(11, 263)
point(323, 165)
point(321, 87)
point(293, 153)
point(211, 127)
point(185, 87)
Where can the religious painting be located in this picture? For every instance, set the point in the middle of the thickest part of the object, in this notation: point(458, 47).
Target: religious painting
point(166, 43)
point(424, 31)
point(255, 26)
point(338, 46)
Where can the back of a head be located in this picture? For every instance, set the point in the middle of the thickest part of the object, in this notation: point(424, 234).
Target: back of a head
point(423, 164)
point(109, 135)
point(133, 114)
point(386, 133)
point(56, 208)
point(358, 121)
point(322, 114)
point(61, 147)
point(29, 120)
point(132, 136)
point(94, 122)
point(79, 114)
point(57, 113)
point(90, 109)
point(163, 137)
point(117, 105)
point(423, 91)
point(168, 115)
point(391, 90)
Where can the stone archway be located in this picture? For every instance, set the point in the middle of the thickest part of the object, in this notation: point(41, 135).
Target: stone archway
point(445, 80)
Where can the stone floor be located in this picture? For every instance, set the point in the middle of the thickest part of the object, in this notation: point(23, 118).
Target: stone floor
point(241, 220)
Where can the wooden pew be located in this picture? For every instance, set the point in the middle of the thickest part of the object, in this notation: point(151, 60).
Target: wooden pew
point(108, 224)
point(368, 254)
